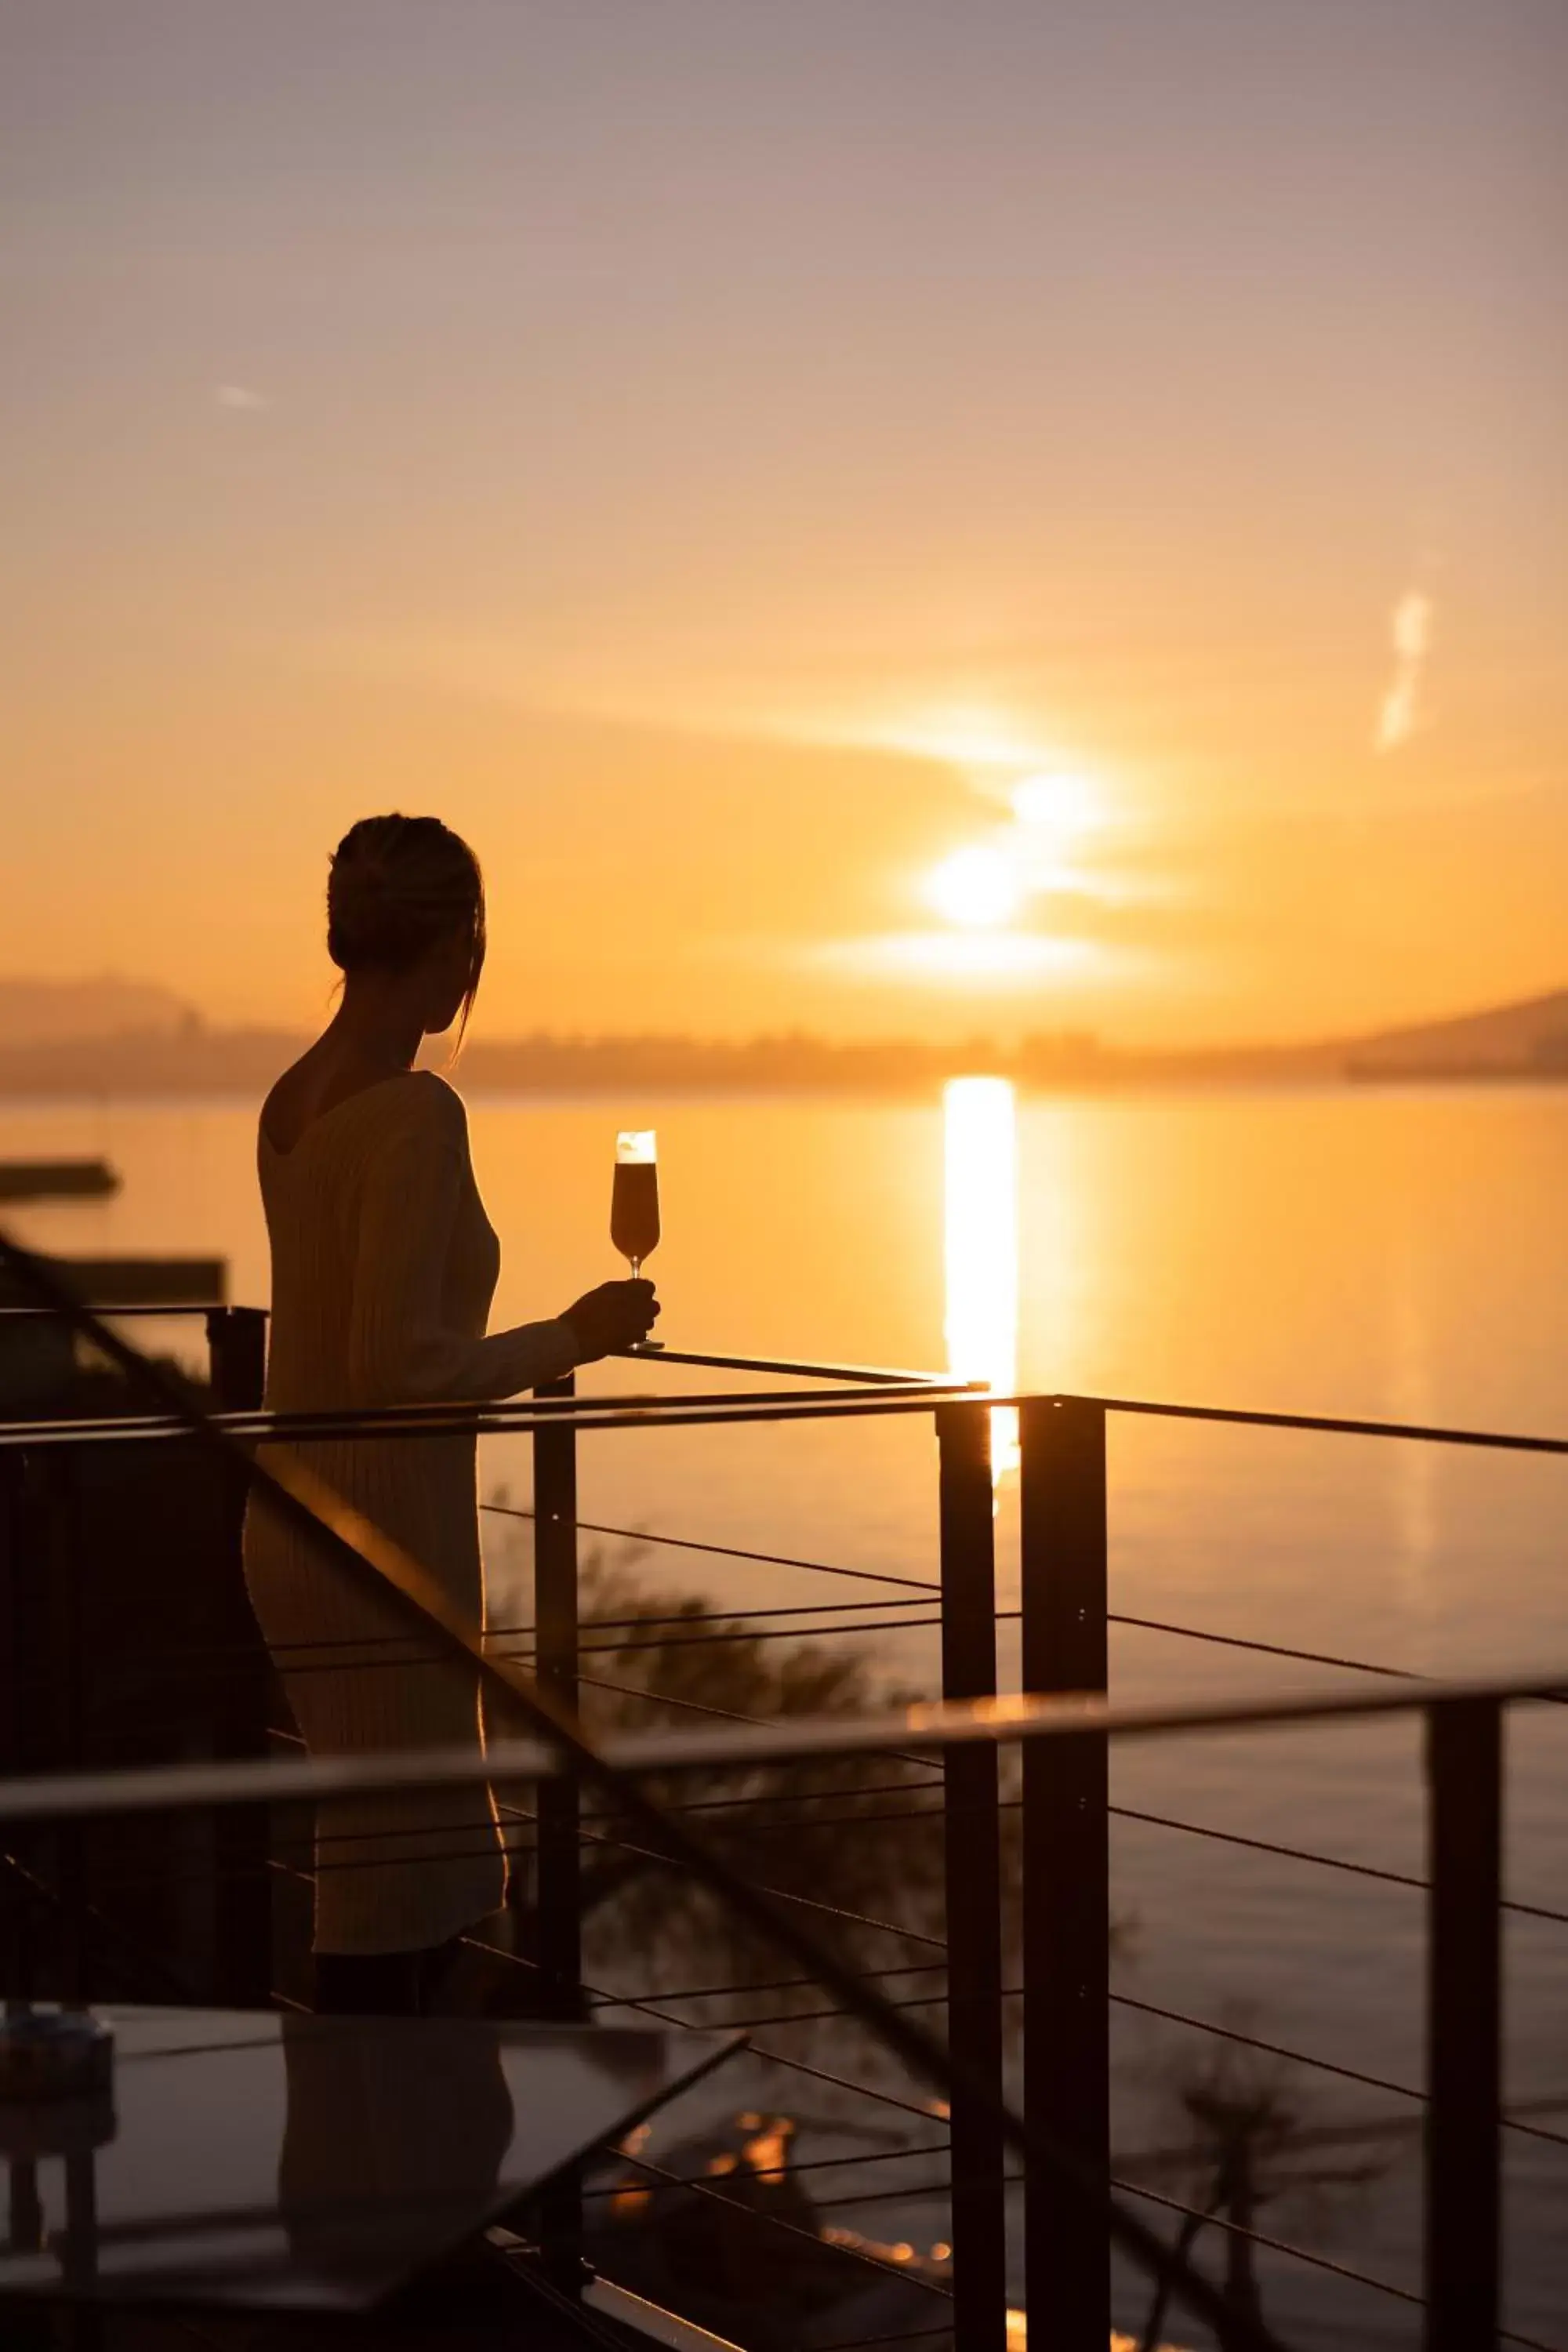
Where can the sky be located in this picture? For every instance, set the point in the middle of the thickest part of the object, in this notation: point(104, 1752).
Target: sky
point(876, 516)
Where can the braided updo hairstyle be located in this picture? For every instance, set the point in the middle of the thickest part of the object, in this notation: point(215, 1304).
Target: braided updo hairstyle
point(397, 886)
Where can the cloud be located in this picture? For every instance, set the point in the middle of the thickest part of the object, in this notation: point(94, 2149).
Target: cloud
point(995, 958)
point(1401, 712)
point(240, 397)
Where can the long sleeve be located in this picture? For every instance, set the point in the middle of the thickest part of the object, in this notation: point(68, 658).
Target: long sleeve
point(403, 1348)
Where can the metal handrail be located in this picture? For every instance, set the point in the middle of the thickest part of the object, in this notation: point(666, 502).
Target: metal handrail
point(163, 1313)
point(406, 1419)
point(646, 1351)
point(715, 1408)
point(1063, 1619)
point(441, 1419)
point(986, 1723)
point(962, 2070)
point(873, 1375)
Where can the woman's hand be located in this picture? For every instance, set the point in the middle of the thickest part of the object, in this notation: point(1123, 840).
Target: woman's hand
point(616, 1315)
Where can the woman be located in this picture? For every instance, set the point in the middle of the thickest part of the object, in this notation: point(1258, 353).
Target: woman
point(383, 1266)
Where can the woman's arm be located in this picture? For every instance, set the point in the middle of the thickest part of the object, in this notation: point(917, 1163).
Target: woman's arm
point(401, 1349)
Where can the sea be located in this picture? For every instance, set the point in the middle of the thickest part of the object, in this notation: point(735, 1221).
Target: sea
point(1396, 1254)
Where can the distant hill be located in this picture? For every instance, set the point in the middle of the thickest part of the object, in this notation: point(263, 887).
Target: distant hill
point(43, 1012)
point(145, 1062)
point(1514, 1040)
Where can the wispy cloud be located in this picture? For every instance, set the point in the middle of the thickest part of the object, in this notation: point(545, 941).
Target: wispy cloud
point(1402, 712)
point(994, 958)
point(239, 397)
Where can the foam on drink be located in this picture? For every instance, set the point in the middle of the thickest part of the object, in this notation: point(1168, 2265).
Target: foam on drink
point(634, 1200)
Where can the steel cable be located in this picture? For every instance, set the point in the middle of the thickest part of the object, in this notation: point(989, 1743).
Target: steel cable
point(729, 1551)
point(307, 1506)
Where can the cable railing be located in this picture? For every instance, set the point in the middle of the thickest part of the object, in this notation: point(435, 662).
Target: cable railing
point(17, 1800)
point(1062, 1804)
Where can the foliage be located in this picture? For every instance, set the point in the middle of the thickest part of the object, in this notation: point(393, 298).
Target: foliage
point(857, 1842)
point(855, 1838)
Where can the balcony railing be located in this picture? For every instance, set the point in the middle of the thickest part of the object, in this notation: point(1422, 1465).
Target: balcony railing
point(1076, 2201)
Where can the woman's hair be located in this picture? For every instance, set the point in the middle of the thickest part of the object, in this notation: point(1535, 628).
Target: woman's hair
point(397, 886)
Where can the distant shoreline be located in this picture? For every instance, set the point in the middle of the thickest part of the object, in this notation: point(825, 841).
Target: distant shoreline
point(1358, 1085)
point(184, 1060)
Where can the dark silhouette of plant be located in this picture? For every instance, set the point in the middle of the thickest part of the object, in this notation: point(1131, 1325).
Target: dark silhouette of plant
point(1251, 2146)
point(859, 1839)
point(856, 1837)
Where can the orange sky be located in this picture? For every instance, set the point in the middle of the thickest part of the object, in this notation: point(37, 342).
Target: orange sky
point(716, 462)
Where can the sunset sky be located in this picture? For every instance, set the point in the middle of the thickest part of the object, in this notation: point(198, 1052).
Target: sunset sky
point(879, 515)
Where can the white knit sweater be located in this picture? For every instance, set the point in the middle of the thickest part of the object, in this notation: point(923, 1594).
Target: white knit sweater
point(383, 1266)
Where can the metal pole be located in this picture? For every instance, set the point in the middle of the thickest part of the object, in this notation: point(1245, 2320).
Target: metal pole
point(70, 1636)
point(555, 1618)
point(559, 1853)
point(1067, 1871)
point(237, 1354)
point(15, 1970)
point(973, 1882)
point(30, 1704)
point(243, 1924)
point(1463, 2024)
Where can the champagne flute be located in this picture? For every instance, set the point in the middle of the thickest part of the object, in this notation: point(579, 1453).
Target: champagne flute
point(634, 1202)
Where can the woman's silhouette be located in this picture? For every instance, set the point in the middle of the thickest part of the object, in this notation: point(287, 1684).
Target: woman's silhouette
point(383, 1266)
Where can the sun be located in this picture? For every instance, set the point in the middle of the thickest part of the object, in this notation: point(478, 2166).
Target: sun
point(986, 885)
point(979, 887)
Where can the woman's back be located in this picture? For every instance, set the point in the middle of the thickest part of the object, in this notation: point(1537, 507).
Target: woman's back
point(383, 1263)
point(377, 1180)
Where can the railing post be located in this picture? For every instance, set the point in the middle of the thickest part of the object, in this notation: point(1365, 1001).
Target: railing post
point(556, 1644)
point(1067, 1872)
point(243, 1926)
point(28, 1696)
point(1463, 2024)
point(70, 1636)
point(558, 1885)
point(973, 1880)
point(236, 1357)
point(13, 1968)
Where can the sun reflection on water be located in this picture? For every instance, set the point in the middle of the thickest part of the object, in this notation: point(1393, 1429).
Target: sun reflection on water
point(981, 1247)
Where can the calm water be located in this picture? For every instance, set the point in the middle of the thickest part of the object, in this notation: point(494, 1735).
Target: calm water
point(1400, 1254)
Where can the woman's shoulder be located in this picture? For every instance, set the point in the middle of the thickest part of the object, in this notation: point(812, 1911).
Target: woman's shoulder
point(409, 1103)
point(422, 1103)
point(434, 1099)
